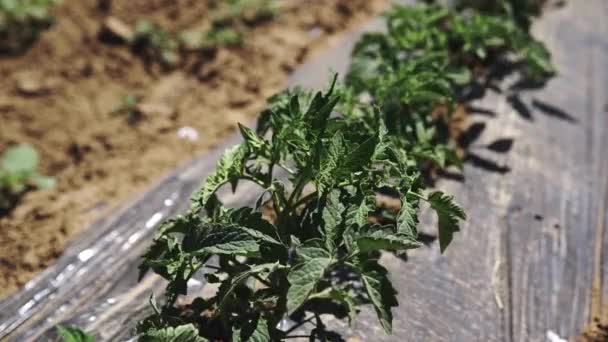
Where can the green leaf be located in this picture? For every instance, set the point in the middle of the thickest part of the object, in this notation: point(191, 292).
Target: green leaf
point(361, 155)
point(383, 143)
point(182, 333)
point(231, 240)
point(407, 220)
point(380, 292)
point(254, 224)
point(20, 159)
point(303, 280)
point(229, 169)
point(343, 297)
point(251, 138)
point(319, 111)
point(260, 235)
point(449, 214)
point(261, 333)
point(332, 218)
point(249, 334)
point(381, 239)
point(358, 214)
point(348, 300)
point(73, 334)
point(460, 76)
point(330, 163)
point(241, 278)
point(311, 252)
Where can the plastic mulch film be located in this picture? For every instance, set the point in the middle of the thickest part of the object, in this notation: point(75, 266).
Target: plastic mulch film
point(94, 284)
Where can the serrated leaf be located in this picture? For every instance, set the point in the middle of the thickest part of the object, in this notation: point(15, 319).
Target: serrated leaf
point(69, 334)
point(332, 218)
point(251, 138)
point(261, 333)
point(358, 214)
point(182, 333)
point(381, 239)
point(380, 292)
point(241, 278)
point(261, 236)
point(228, 240)
point(361, 155)
point(407, 219)
point(311, 252)
point(303, 280)
point(348, 300)
point(229, 169)
point(449, 214)
point(318, 117)
point(256, 331)
point(330, 163)
point(383, 143)
point(253, 223)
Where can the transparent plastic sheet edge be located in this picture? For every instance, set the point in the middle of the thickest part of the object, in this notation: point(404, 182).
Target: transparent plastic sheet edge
point(95, 282)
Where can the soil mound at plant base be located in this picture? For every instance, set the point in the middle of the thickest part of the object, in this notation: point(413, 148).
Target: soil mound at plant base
point(62, 96)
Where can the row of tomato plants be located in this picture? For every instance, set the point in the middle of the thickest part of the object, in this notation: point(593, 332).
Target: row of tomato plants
point(311, 242)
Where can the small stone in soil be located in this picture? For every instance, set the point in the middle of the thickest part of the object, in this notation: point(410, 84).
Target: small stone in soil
point(116, 28)
point(188, 133)
point(29, 83)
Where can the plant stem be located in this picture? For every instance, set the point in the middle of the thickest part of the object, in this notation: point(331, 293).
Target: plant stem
point(305, 199)
point(255, 180)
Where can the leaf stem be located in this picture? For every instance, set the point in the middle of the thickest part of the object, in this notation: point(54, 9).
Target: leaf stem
point(305, 199)
point(419, 196)
point(255, 180)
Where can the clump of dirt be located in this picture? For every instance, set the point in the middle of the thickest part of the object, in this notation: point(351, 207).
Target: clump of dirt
point(62, 96)
point(596, 331)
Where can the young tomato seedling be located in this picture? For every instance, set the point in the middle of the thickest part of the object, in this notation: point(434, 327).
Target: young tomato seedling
point(294, 264)
point(466, 45)
point(18, 175)
point(22, 21)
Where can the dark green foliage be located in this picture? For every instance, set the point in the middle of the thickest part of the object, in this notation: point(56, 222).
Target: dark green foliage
point(462, 44)
point(22, 21)
point(270, 270)
point(156, 44)
point(222, 36)
point(129, 108)
point(520, 11)
point(404, 98)
point(430, 58)
point(18, 175)
point(229, 22)
point(319, 161)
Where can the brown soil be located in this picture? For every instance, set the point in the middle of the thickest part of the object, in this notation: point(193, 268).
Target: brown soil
point(597, 330)
point(61, 96)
